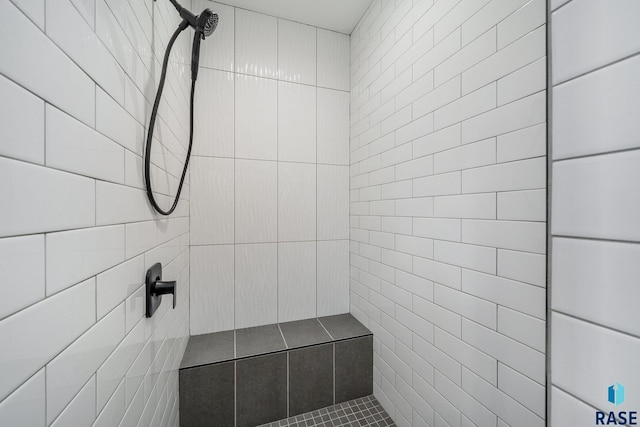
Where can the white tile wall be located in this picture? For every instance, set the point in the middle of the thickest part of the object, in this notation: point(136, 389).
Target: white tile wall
point(70, 370)
point(296, 122)
point(26, 406)
point(333, 54)
point(297, 202)
point(567, 409)
point(256, 186)
point(571, 337)
point(214, 106)
point(296, 281)
point(212, 294)
point(114, 122)
point(41, 331)
point(270, 176)
point(34, 10)
point(256, 284)
point(596, 114)
point(296, 52)
point(256, 118)
point(212, 211)
point(611, 33)
point(333, 127)
point(332, 277)
point(74, 147)
point(595, 235)
point(22, 260)
point(611, 180)
point(448, 208)
point(73, 256)
point(67, 28)
point(256, 44)
point(78, 234)
point(116, 284)
point(333, 203)
point(22, 122)
point(70, 199)
point(24, 56)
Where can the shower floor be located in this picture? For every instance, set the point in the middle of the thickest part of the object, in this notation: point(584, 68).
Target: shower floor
point(365, 411)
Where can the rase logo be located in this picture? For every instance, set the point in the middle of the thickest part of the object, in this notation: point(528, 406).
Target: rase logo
point(615, 395)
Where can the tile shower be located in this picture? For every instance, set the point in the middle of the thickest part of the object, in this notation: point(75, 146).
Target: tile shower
point(270, 174)
point(370, 221)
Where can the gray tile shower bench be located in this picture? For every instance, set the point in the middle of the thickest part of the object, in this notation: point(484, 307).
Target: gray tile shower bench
point(267, 373)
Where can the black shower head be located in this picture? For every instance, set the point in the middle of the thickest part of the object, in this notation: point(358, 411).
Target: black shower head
point(207, 21)
point(204, 24)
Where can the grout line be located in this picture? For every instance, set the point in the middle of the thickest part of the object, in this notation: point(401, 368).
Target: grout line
point(594, 155)
point(593, 323)
point(593, 239)
point(548, 201)
point(235, 170)
point(46, 393)
point(316, 210)
point(222, 70)
point(334, 373)
point(272, 160)
point(282, 335)
point(593, 70)
point(278, 182)
point(288, 241)
point(551, 386)
point(325, 329)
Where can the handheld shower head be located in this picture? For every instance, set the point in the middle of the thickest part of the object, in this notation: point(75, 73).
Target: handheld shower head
point(207, 21)
point(204, 24)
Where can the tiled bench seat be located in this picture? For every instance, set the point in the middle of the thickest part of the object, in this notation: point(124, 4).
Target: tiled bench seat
point(258, 375)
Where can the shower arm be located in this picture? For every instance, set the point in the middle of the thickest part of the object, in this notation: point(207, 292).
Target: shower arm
point(177, 5)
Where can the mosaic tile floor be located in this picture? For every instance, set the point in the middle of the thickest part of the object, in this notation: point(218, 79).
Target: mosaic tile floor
point(365, 411)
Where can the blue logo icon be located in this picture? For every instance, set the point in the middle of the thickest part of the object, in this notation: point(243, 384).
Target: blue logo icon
point(616, 394)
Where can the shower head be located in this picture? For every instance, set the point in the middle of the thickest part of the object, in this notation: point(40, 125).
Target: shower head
point(207, 21)
point(204, 24)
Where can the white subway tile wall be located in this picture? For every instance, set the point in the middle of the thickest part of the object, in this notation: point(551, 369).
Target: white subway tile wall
point(595, 206)
point(77, 80)
point(448, 208)
point(270, 174)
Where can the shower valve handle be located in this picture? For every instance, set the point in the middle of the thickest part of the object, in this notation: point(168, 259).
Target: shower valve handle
point(155, 287)
point(165, 288)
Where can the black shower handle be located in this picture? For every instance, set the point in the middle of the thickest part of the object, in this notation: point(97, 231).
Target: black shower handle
point(165, 288)
point(155, 287)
